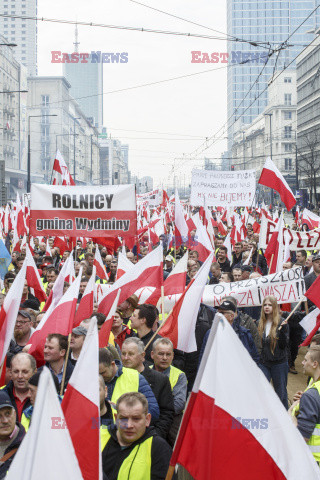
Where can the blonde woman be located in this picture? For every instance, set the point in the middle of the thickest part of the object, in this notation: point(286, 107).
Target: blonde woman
point(274, 333)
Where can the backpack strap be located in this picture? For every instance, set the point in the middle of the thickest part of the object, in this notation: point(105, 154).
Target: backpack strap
point(8, 455)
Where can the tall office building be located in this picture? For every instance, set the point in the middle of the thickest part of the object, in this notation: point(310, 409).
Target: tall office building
point(21, 31)
point(86, 80)
point(268, 22)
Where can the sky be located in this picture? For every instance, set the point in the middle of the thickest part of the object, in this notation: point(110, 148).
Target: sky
point(182, 112)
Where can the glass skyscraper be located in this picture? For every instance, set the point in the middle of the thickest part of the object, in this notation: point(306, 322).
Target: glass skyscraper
point(262, 21)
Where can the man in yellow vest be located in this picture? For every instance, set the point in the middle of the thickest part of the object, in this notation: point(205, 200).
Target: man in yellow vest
point(131, 449)
point(306, 411)
point(162, 356)
point(120, 380)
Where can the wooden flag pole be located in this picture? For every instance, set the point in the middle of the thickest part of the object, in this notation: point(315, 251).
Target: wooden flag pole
point(271, 263)
point(258, 259)
point(65, 365)
point(288, 318)
point(157, 331)
point(306, 307)
point(170, 472)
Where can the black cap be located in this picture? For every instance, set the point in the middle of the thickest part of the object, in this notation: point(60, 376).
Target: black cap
point(5, 400)
point(316, 257)
point(227, 305)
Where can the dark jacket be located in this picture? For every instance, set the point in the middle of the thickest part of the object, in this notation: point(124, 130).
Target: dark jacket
point(236, 259)
point(280, 354)
point(107, 418)
point(262, 262)
point(113, 454)
point(247, 322)
point(225, 266)
point(4, 467)
point(69, 370)
point(9, 389)
point(178, 360)
point(161, 388)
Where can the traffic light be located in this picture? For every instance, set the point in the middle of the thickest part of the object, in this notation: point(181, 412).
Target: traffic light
point(232, 167)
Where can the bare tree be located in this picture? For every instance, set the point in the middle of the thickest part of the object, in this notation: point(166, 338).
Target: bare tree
point(308, 162)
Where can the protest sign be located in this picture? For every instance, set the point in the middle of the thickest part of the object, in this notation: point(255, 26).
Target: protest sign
point(83, 211)
point(223, 188)
point(286, 286)
point(297, 240)
point(153, 198)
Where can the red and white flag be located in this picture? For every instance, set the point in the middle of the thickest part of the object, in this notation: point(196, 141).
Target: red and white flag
point(60, 171)
point(9, 311)
point(57, 320)
point(48, 427)
point(202, 243)
point(98, 263)
point(82, 396)
point(181, 323)
point(310, 218)
point(124, 265)
point(85, 307)
point(275, 250)
point(248, 436)
point(105, 330)
point(148, 272)
point(271, 177)
point(48, 249)
point(175, 283)
point(181, 227)
point(33, 277)
point(57, 289)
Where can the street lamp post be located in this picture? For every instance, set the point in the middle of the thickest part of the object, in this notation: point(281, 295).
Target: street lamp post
point(74, 147)
point(29, 150)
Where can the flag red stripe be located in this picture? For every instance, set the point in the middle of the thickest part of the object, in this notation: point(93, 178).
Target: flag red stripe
point(219, 436)
point(271, 180)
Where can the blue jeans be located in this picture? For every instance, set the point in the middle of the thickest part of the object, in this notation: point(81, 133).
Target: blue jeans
point(279, 375)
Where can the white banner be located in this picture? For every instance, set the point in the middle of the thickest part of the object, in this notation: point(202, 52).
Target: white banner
point(223, 188)
point(153, 198)
point(297, 240)
point(287, 286)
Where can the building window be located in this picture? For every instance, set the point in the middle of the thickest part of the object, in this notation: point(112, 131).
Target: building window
point(287, 79)
point(287, 99)
point(45, 100)
point(288, 115)
point(288, 147)
point(287, 132)
point(288, 163)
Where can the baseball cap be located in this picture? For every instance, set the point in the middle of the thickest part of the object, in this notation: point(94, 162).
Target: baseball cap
point(316, 257)
point(24, 314)
point(45, 265)
point(5, 400)
point(80, 331)
point(169, 258)
point(227, 305)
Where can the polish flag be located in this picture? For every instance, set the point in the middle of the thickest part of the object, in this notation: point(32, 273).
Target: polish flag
point(57, 320)
point(248, 261)
point(34, 458)
point(124, 265)
point(181, 323)
point(9, 311)
point(33, 277)
point(61, 174)
point(61, 243)
point(313, 292)
point(105, 330)
point(98, 263)
point(275, 250)
point(175, 283)
point(48, 249)
point(85, 307)
point(310, 218)
point(19, 220)
point(82, 395)
point(57, 289)
point(181, 227)
point(202, 243)
point(227, 244)
point(271, 177)
point(246, 436)
point(148, 272)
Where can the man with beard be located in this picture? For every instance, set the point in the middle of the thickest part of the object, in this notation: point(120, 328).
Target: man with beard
point(23, 329)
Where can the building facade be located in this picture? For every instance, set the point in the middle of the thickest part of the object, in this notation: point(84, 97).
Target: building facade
point(272, 133)
point(13, 118)
point(21, 31)
point(267, 24)
point(57, 122)
point(308, 119)
point(113, 160)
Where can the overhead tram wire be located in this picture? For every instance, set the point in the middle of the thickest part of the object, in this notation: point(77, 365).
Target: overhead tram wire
point(235, 39)
point(114, 27)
